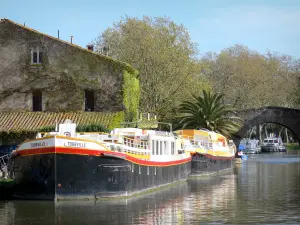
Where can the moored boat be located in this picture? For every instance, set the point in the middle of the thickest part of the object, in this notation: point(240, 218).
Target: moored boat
point(71, 165)
point(211, 151)
point(273, 144)
point(251, 146)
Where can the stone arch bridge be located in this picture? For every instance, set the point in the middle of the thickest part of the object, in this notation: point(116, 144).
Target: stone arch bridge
point(288, 117)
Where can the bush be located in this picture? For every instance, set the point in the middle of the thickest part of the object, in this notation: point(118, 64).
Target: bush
point(292, 146)
point(92, 128)
point(80, 128)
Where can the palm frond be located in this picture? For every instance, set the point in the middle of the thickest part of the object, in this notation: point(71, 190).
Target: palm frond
point(208, 111)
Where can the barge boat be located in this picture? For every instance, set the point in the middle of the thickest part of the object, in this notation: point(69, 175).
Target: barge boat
point(69, 165)
point(211, 151)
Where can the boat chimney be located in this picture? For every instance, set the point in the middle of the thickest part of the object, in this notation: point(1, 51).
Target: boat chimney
point(90, 47)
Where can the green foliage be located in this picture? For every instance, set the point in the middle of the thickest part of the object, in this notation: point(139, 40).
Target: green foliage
point(46, 129)
point(6, 181)
point(208, 111)
point(79, 128)
point(14, 134)
point(292, 146)
point(165, 57)
point(249, 79)
point(131, 96)
point(91, 128)
point(117, 120)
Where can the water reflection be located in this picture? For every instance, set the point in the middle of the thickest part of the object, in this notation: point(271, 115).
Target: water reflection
point(27, 212)
point(161, 207)
point(264, 189)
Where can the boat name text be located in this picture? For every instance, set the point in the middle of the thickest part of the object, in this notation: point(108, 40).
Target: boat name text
point(75, 144)
point(38, 144)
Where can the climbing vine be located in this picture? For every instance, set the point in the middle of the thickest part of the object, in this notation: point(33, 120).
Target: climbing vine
point(131, 95)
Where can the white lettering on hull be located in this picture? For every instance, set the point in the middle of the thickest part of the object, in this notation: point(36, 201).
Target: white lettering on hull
point(38, 144)
point(75, 144)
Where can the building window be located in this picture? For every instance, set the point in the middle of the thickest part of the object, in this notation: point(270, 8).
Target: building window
point(37, 101)
point(89, 100)
point(36, 55)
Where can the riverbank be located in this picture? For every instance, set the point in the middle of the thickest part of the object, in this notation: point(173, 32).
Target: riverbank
point(6, 189)
point(292, 146)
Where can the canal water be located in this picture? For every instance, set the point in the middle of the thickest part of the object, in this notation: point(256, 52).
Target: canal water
point(263, 190)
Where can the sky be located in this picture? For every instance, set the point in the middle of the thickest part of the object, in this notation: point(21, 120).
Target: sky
point(262, 25)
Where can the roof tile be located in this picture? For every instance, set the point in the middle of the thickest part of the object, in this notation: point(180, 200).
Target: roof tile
point(31, 121)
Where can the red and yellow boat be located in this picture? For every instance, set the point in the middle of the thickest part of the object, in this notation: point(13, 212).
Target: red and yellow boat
point(66, 164)
point(211, 151)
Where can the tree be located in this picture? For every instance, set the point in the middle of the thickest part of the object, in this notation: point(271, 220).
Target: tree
point(249, 79)
point(209, 111)
point(164, 55)
point(296, 71)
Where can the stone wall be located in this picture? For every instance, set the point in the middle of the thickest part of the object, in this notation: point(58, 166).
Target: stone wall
point(287, 117)
point(67, 70)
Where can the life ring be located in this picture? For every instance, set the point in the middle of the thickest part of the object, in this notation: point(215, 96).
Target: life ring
point(68, 134)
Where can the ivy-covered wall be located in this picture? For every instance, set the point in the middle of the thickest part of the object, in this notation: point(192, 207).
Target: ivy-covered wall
point(131, 95)
point(65, 73)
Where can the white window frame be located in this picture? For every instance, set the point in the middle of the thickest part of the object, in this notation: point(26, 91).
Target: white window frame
point(37, 50)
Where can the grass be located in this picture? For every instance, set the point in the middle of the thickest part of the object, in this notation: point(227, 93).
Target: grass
point(3, 180)
point(292, 146)
point(6, 182)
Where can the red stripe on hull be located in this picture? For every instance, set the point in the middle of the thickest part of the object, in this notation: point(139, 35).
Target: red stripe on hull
point(81, 151)
point(153, 163)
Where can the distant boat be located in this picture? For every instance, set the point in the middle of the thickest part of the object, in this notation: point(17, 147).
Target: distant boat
point(252, 146)
point(273, 144)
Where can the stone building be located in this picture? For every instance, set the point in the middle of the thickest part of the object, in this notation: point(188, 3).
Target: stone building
point(44, 75)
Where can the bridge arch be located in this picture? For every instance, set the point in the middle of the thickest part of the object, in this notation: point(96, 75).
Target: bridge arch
point(287, 117)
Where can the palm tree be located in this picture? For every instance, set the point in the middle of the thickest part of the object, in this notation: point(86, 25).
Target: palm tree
point(209, 111)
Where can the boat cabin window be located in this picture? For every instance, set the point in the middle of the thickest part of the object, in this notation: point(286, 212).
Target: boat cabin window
point(165, 148)
point(161, 147)
point(89, 100)
point(172, 148)
point(153, 148)
point(37, 101)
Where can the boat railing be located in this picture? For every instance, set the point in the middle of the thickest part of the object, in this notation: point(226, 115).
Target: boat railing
point(135, 143)
point(3, 163)
point(128, 149)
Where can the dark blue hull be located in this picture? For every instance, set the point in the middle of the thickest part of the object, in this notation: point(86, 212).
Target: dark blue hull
point(70, 176)
point(205, 164)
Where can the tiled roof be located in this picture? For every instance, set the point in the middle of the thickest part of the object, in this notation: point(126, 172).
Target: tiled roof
point(127, 66)
point(31, 121)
